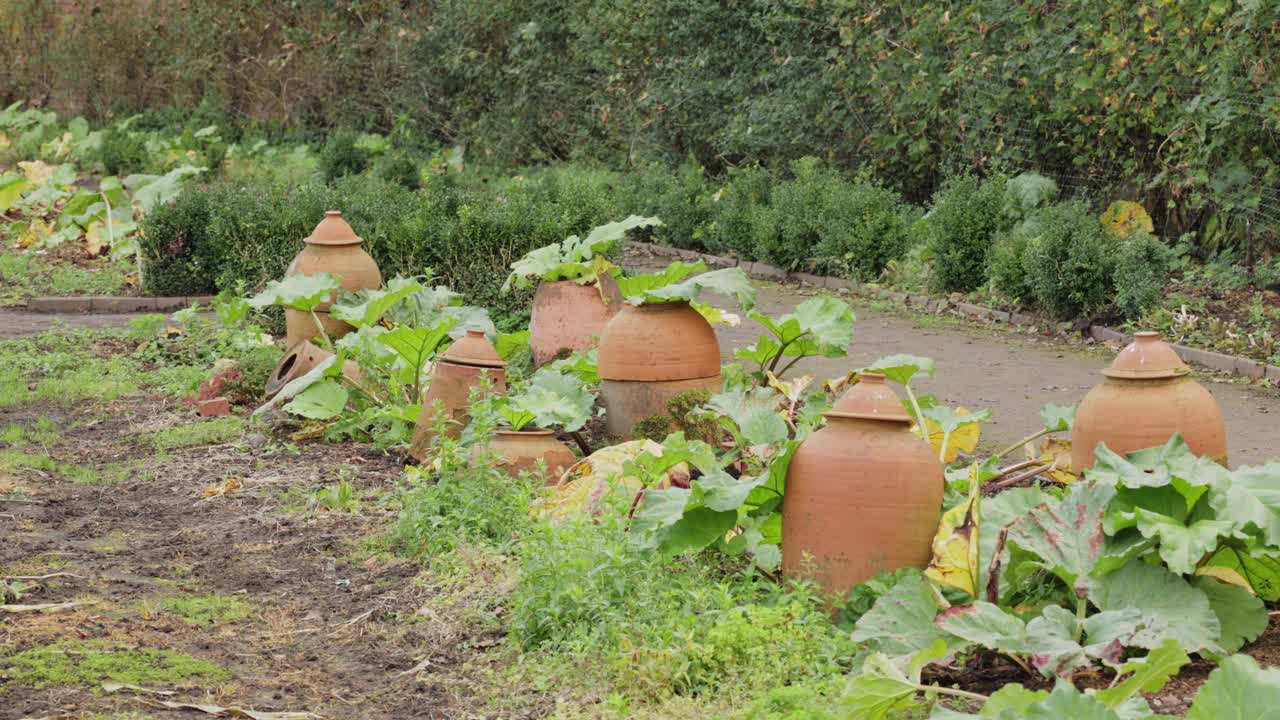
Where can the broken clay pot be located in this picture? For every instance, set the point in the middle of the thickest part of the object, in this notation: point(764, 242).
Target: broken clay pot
point(300, 359)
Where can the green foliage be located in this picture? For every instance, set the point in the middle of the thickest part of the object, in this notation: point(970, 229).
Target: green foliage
point(122, 151)
point(211, 609)
point(205, 432)
point(399, 168)
point(1070, 263)
point(578, 259)
point(91, 662)
point(1140, 271)
point(961, 225)
point(341, 156)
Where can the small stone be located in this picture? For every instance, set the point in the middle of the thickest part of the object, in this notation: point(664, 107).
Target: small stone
point(216, 407)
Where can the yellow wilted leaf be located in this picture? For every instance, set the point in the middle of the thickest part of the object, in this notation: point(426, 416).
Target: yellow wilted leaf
point(717, 316)
point(37, 172)
point(955, 547)
point(585, 485)
point(964, 439)
point(1126, 216)
point(229, 485)
point(1226, 575)
point(1056, 453)
point(37, 231)
point(4, 141)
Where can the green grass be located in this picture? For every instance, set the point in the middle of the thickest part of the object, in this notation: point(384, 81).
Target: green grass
point(24, 275)
point(211, 609)
point(204, 432)
point(43, 433)
point(108, 474)
point(93, 662)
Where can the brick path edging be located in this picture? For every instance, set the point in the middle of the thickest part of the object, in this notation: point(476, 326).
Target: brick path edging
point(104, 304)
point(1220, 362)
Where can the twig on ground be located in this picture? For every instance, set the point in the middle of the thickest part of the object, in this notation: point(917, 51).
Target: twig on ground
point(42, 607)
point(42, 577)
point(993, 487)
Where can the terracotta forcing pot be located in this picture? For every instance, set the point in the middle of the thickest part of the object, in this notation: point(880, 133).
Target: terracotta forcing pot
point(334, 248)
point(567, 316)
point(863, 493)
point(1147, 396)
point(648, 355)
point(299, 360)
point(520, 451)
point(463, 366)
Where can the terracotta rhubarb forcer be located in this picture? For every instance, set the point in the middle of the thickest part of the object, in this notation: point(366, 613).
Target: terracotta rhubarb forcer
point(300, 359)
point(568, 316)
point(649, 354)
point(520, 451)
point(864, 494)
point(1147, 396)
point(463, 366)
point(334, 248)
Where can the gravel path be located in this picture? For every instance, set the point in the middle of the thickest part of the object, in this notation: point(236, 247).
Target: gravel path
point(1011, 374)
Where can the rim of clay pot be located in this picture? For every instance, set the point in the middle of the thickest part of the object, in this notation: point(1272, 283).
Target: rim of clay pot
point(1148, 357)
point(870, 399)
point(280, 376)
point(333, 230)
point(534, 432)
point(475, 350)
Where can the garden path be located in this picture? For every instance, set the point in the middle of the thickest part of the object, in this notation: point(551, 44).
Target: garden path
point(1011, 373)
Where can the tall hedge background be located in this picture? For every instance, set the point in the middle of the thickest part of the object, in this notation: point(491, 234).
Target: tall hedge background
point(1169, 102)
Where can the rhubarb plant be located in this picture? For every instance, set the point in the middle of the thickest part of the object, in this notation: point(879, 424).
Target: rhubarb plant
point(582, 260)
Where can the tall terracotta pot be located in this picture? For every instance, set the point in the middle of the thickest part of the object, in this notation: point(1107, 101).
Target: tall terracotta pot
point(649, 354)
point(300, 359)
point(465, 365)
point(568, 316)
point(863, 493)
point(520, 451)
point(334, 248)
point(1146, 396)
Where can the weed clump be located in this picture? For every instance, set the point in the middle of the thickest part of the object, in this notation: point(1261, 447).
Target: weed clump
point(93, 662)
point(211, 609)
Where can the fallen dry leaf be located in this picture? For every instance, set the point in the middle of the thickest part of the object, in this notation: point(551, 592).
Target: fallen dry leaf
point(219, 711)
point(229, 485)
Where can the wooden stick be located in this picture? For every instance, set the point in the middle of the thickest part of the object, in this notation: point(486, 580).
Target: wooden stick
point(41, 577)
point(41, 607)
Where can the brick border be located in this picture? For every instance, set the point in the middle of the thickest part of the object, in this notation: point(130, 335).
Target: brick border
point(1220, 362)
point(118, 305)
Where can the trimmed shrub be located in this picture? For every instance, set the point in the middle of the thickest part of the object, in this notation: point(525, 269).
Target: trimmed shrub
point(1071, 262)
point(681, 197)
point(966, 215)
point(341, 157)
point(865, 226)
point(399, 168)
point(1008, 272)
point(178, 257)
point(739, 206)
point(1139, 276)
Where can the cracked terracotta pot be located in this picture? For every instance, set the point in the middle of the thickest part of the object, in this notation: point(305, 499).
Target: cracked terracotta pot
point(520, 451)
point(334, 248)
point(463, 366)
point(649, 354)
point(1146, 396)
point(864, 494)
point(298, 360)
point(568, 316)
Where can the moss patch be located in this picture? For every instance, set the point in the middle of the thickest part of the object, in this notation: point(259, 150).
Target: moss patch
point(208, 432)
point(210, 609)
point(108, 474)
point(93, 662)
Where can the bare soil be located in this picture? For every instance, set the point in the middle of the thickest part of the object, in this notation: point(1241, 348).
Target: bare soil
point(334, 629)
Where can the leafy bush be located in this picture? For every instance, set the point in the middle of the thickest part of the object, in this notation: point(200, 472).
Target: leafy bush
point(340, 155)
point(1070, 263)
point(1008, 271)
point(179, 258)
point(399, 168)
point(965, 217)
point(1139, 275)
point(122, 152)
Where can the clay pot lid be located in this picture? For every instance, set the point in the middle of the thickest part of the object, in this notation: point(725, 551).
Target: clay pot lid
point(1147, 358)
point(473, 349)
point(870, 399)
point(333, 230)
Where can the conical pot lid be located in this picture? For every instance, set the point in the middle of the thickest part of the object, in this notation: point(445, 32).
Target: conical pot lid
point(870, 399)
point(333, 230)
point(1147, 358)
point(473, 349)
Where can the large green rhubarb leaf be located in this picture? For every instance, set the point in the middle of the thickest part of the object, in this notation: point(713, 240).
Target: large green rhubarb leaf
point(1067, 534)
point(1170, 607)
